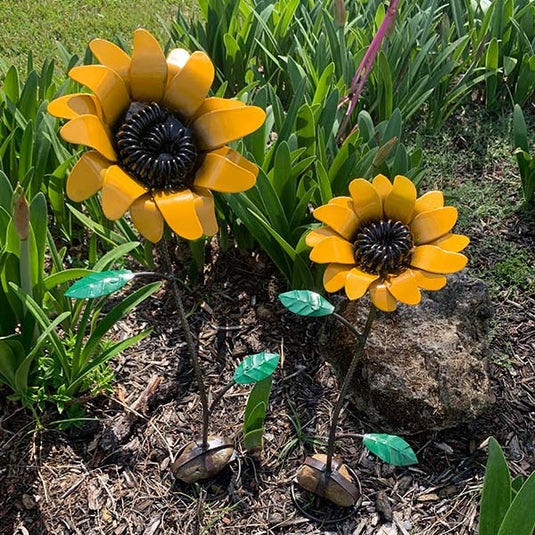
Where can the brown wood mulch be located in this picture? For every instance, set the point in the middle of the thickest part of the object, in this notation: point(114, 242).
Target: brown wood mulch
point(87, 481)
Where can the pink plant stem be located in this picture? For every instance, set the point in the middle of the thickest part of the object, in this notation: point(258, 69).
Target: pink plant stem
point(366, 64)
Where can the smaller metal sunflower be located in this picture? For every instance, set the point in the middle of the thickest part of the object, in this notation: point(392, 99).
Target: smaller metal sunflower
point(386, 240)
point(160, 144)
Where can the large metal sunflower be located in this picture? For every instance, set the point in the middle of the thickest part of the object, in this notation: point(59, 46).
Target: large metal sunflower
point(385, 240)
point(159, 143)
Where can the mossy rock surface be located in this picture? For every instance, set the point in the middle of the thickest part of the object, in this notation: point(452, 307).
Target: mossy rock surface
point(425, 367)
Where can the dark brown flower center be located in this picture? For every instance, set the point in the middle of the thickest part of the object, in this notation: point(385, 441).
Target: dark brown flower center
point(156, 148)
point(383, 247)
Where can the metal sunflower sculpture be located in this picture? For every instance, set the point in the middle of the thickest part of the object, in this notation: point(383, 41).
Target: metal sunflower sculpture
point(160, 145)
point(385, 240)
point(159, 148)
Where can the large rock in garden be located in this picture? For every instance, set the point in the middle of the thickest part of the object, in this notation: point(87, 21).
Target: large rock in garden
point(425, 366)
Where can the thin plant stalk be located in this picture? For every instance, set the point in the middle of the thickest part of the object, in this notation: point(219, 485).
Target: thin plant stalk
point(345, 385)
point(364, 69)
point(190, 344)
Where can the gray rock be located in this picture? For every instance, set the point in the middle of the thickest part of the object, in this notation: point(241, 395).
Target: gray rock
point(425, 366)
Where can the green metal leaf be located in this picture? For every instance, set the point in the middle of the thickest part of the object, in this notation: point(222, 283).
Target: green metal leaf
point(390, 448)
point(306, 303)
point(254, 368)
point(99, 284)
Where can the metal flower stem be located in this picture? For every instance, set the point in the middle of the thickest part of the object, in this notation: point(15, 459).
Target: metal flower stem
point(189, 341)
point(347, 380)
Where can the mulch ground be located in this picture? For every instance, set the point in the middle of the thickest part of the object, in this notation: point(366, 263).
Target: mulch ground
point(54, 482)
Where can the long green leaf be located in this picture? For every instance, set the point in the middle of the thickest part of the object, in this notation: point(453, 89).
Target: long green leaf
point(496, 496)
point(113, 316)
point(104, 357)
point(65, 276)
point(255, 413)
point(520, 518)
point(39, 314)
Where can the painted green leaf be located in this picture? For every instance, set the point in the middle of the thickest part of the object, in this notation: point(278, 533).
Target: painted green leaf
point(520, 517)
point(390, 448)
point(306, 303)
point(496, 495)
point(254, 368)
point(99, 284)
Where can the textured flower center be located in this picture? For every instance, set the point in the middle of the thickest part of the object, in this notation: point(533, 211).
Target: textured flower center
point(383, 247)
point(156, 148)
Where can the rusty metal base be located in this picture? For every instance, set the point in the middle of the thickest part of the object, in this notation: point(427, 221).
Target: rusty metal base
point(355, 491)
point(203, 461)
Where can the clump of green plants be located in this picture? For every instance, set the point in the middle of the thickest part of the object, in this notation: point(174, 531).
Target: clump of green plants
point(524, 159)
point(50, 350)
point(506, 503)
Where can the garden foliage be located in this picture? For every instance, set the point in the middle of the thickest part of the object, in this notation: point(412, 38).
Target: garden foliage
point(506, 505)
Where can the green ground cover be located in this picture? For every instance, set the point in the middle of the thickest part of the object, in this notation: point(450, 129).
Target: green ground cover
point(36, 26)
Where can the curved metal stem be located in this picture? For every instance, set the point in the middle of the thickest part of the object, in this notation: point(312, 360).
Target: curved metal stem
point(347, 381)
point(189, 341)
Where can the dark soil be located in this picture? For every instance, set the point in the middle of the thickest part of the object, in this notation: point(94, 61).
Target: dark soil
point(54, 482)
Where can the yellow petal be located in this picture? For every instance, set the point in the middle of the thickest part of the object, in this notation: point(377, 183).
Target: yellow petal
point(237, 158)
point(405, 288)
point(436, 260)
point(88, 130)
point(178, 210)
point(319, 234)
point(381, 297)
point(147, 218)
point(399, 203)
point(119, 192)
point(366, 200)
point(176, 59)
point(71, 106)
point(107, 85)
point(216, 103)
point(431, 225)
point(357, 282)
point(221, 171)
point(334, 277)
point(112, 56)
point(382, 185)
point(340, 219)
point(187, 90)
point(205, 207)
point(148, 70)
point(346, 202)
point(220, 127)
point(87, 176)
point(428, 281)
point(429, 201)
point(452, 242)
point(333, 249)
